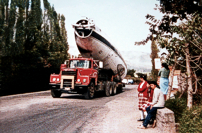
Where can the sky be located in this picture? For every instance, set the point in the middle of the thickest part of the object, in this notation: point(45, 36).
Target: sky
point(122, 20)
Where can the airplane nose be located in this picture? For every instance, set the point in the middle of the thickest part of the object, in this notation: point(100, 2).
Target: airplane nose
point(84, 44)
point(83, 28)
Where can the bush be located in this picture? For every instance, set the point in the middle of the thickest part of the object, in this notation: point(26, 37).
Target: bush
point(191, 120)
point(177, 105)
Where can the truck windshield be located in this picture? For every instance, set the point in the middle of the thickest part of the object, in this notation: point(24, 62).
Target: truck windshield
point(80, 64)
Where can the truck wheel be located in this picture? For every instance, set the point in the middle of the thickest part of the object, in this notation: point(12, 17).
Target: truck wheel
point(111, 88)
point(107, 89)
point(55, 93)
point(120, 88)
point(114, 88)
point(90, 91)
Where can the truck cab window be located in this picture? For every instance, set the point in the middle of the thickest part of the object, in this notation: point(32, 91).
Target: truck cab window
point(80, 64)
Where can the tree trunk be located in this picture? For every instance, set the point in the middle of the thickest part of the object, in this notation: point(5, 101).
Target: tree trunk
point(6, 13)
point(190, 89)
point(171, 81)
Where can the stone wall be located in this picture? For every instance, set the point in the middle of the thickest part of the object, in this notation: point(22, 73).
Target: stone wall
point(165, 120)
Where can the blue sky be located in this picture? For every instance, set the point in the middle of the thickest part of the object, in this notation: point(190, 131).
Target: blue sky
point(122, 20)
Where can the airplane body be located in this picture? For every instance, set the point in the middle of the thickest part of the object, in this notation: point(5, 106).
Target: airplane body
point(93, 43)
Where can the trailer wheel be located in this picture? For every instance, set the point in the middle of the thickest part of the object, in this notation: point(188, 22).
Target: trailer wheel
point(114, 88)
point(55, 93)
point(111, 88)
point(107, 89)
point(90, 91)
point(120, 88)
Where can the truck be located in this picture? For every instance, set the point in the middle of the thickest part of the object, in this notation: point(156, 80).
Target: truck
point(84, 76)
point(101, 67)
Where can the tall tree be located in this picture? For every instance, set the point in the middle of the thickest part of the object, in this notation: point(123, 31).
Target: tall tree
point(9, 36)
point(26, 43)
point(20, 31)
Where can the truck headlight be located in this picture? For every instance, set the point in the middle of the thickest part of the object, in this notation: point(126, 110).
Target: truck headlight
point(84, 80)
point(78, 80)
point(58, 79)
point(54, 79)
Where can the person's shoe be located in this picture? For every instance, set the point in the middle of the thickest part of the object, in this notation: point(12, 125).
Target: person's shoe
point(141, 120)
point(141, 127)
point(154, 124)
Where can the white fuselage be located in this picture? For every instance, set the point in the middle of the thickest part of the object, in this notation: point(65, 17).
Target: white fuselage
point(96, 45)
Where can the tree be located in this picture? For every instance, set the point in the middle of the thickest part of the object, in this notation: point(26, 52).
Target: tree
point(20, 31)
point(154, 54)
point(33, 44)
point(188, 44)
point(131, 72)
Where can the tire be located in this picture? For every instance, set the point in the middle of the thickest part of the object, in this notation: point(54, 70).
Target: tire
point(120, 88)
point(107, 89)
point(114, 88)
point(55, 93)
point(90, 91)
point(111, 88)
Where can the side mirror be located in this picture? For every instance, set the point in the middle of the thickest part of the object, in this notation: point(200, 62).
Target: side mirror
point(100, 64)
point(66, 62)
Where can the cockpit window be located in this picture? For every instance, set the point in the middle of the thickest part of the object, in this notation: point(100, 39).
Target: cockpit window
point(80, 64)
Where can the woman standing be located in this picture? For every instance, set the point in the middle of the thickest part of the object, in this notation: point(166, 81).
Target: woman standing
point(142, 95)
point(164, 81)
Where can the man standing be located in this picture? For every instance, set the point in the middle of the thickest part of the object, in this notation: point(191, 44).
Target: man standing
point(157, 103)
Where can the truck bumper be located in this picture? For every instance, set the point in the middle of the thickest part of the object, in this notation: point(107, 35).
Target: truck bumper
point(67, 88)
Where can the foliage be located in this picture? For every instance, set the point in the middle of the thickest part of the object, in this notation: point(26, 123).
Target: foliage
point(182, 8)
point(177, 105)
point(1, 74)
point(191, 120)
point(131, 72)
point(180, 31)
point(33, 44)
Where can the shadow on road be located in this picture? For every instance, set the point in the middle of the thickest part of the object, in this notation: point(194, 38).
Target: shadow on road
point(97, 95)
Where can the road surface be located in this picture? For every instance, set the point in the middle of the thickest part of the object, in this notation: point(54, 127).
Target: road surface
point(39, 112)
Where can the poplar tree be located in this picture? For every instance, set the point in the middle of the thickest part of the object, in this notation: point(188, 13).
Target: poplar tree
point(20, 29)
point(29, 40)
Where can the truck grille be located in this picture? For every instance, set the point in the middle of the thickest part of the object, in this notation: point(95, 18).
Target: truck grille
point(68, 81)
point(72, 73)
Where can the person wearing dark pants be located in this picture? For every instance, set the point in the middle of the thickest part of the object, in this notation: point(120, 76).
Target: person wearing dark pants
point(157, 103)
point(151, 116)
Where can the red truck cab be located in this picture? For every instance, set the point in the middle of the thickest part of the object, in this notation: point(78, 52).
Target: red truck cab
point(75, 76)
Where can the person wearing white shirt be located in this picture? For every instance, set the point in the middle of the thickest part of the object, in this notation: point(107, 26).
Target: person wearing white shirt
point(157, 103)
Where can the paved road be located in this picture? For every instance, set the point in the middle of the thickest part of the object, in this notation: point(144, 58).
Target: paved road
point(39, 112)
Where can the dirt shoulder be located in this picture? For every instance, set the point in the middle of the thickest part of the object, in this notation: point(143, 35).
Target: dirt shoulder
point(118, 116)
